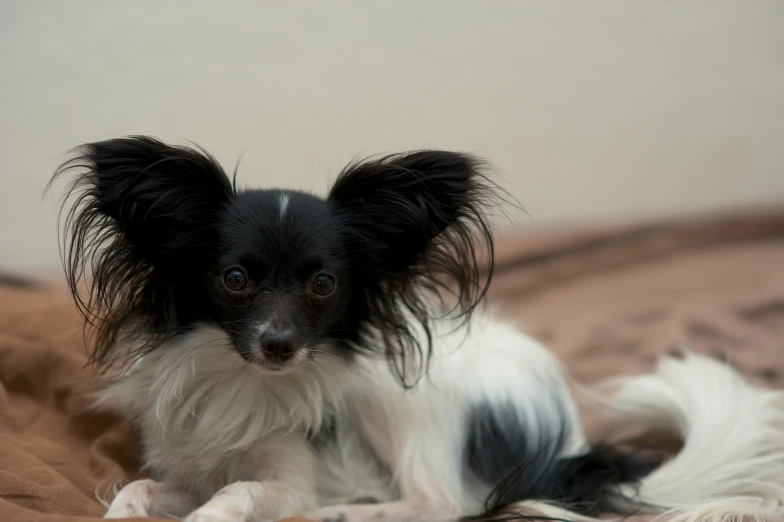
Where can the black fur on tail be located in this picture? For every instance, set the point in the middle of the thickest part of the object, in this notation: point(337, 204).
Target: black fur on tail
point(526, 464)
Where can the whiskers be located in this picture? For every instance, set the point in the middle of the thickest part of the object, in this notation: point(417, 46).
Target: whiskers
point(313, 351)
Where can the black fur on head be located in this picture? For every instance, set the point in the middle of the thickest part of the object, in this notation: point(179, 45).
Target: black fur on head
point(161, 239)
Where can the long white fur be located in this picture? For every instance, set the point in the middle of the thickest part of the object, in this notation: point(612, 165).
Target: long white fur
point(732, 460)
point(210, 419)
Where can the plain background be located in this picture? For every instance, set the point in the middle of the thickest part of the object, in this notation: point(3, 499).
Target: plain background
point(603, 110)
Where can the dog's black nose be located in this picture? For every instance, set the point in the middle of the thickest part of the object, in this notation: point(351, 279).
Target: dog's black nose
point(278, 346)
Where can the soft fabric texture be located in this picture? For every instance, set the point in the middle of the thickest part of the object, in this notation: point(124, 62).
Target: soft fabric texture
point(607, 301)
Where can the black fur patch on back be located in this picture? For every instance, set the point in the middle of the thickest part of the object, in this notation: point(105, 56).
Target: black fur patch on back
point(523, 463)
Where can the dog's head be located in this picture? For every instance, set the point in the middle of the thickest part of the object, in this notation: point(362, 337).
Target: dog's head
point(169, 243)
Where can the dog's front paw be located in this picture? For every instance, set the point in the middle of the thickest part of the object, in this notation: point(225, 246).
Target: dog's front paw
point(215, 515)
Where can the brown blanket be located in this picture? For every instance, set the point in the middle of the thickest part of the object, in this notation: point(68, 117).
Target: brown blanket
point(608, 301)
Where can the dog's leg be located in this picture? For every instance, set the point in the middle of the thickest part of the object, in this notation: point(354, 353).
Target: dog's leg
point(147, 498)
point(400, 511)
point(249, 502)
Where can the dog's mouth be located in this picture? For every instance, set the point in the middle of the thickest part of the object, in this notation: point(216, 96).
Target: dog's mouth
point(270, 366)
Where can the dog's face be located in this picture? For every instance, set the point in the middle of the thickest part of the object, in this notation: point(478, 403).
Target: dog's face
point(281, 281)
point(171, 244)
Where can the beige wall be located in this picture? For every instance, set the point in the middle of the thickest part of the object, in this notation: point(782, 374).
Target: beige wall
point(592, 109)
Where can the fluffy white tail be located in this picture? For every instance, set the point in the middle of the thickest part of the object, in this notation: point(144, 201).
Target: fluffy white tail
point(732, 461)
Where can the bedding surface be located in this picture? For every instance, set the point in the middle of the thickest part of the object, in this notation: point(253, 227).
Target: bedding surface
point(608, 301)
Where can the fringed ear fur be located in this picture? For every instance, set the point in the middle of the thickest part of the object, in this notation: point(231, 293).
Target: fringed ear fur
point(138, 229)
point(417, 227)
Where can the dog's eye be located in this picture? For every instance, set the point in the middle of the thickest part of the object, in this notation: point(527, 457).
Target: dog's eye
point(323, 285)
point(235, 280)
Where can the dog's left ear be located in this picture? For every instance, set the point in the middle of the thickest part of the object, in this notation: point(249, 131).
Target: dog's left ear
point(417, 220)
point(397, 206)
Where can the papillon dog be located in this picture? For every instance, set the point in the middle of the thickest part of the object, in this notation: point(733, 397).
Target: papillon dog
point(284, 354)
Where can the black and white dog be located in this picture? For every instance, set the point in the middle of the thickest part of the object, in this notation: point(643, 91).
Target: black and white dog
point(285, 354)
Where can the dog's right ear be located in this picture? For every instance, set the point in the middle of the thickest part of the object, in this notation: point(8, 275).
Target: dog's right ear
point(142, 221)
point(157, 196)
